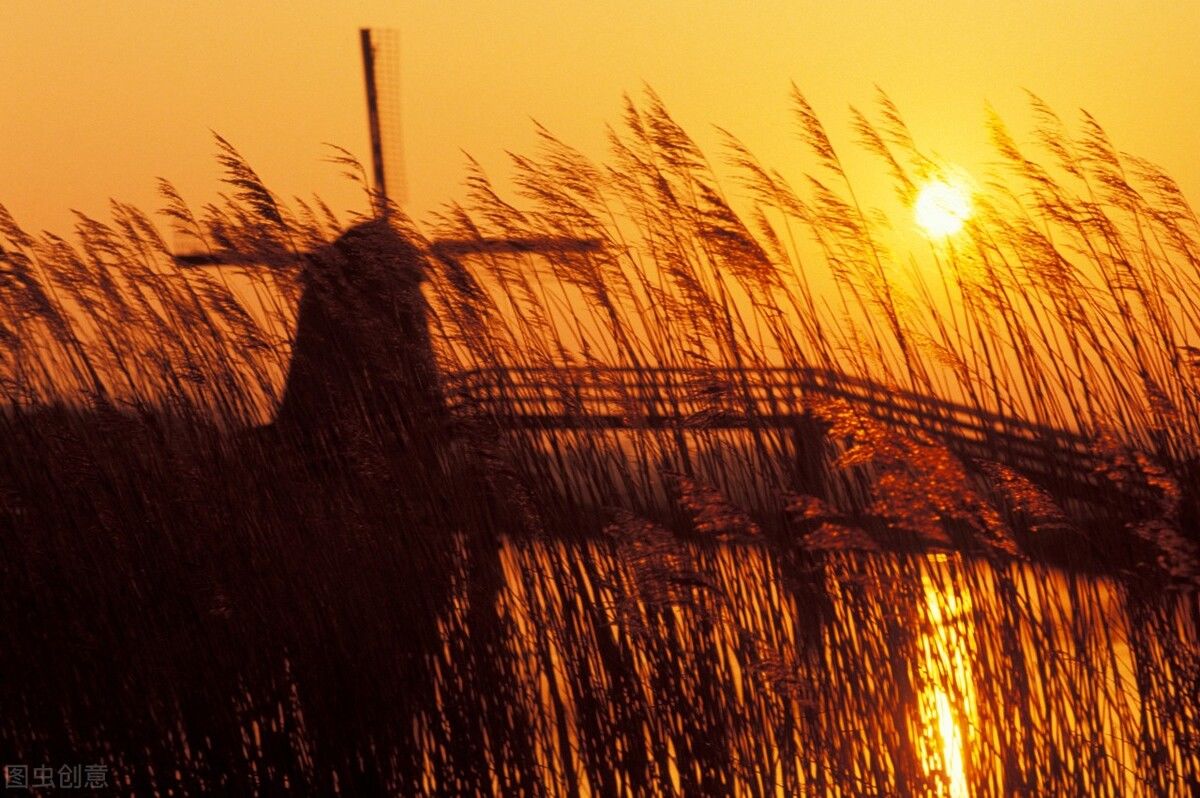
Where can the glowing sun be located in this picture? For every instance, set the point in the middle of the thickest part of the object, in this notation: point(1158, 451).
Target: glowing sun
point(943, 205)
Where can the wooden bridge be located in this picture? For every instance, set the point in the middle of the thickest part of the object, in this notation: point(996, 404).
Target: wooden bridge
point(697, 399)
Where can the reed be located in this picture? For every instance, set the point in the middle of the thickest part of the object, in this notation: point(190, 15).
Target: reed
point(844, 607)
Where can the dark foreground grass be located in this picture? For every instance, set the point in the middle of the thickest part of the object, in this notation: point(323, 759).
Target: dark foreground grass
point(844, 607)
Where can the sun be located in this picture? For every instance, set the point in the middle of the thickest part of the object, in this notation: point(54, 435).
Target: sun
point(943, 205)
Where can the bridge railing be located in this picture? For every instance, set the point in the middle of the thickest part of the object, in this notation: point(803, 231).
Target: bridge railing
point(580, 397)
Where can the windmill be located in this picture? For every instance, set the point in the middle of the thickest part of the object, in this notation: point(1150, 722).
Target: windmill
point(359, 362)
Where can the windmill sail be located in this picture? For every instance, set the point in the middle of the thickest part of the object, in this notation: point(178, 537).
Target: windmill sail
point(381, 73)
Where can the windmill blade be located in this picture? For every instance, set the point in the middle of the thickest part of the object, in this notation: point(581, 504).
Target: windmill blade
point(445, 249)
point(229, 257)
point(451, 248)
point(449, 251)
point(189, 260)
point(381, 73)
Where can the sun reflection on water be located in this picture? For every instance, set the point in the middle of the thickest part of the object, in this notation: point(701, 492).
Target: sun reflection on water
point(931, 676)
point(947, 697)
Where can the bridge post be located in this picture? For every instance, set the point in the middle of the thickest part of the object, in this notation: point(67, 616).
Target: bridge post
point(808, 437)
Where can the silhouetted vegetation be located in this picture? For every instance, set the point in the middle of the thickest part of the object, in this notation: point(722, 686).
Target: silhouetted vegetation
point(399, 585)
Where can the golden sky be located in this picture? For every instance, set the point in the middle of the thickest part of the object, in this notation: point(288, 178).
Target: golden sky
point(97, 99)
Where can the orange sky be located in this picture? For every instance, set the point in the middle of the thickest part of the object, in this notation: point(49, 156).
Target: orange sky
point(99, 98)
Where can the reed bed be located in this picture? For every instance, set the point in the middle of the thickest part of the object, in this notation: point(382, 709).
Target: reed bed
point(842, 606)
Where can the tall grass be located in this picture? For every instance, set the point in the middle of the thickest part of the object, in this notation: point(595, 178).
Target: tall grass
point(203, 606)
point(1069, 300)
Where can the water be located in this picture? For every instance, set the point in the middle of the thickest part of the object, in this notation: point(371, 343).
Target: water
point(636, 665)
point(335, 637)
point(866, 675)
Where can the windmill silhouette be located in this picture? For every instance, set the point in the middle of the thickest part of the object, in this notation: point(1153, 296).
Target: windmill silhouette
point(362, 360)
